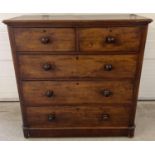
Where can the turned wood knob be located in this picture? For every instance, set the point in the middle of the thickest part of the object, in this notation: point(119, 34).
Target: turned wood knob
point(110, 40)
point(49, 93)
point(47, 67)
point(108, 67)
point(106, 93)
point(105, 117)
point(51, 117)
point(45, 40)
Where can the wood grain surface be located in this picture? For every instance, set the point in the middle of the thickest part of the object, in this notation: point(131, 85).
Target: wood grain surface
point(77, 92)
point(77, 66)
point(94, 39)
point(30, 39)
point(77, 116)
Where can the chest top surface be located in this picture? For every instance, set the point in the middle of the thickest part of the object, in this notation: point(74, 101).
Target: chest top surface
point(77, 19)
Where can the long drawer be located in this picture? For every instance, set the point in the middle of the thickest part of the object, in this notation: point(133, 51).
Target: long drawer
point(77, 92)
point(44, 39)
point(82, 66)
point(110, 39)
point(56, 117)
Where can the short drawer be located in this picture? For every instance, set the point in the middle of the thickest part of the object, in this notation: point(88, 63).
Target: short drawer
point(55, 117)
point(82, 66)
point(110, 39)
point(77, 92)
point(44, 39)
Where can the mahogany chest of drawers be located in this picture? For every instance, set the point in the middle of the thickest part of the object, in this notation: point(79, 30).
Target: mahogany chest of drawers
point(78, 75)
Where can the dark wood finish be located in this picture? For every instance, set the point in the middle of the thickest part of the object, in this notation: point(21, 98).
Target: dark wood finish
point(79, 132)
point(77, 66)
point(75, 92)
point(89, 20)
point(110, 39)
point(78, 75)
point(57, 117)
point(44, 39)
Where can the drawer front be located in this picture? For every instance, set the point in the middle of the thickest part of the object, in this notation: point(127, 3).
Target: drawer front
point(55, 117)
point(44, 39)
point(110, 39)
point(61, 66)
point(77, 93)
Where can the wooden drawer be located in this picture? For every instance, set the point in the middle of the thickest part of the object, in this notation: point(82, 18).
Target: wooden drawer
point(55, 117)
point(110, 39)
point(77, 93)
point(44, 39)
point(90, 66)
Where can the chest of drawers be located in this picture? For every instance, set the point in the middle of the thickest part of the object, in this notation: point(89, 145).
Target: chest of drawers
point(78, 75)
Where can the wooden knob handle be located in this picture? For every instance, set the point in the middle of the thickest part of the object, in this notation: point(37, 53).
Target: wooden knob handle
point(108, 67)
point(49, 93)
point(45, 40)
point(47, 67)
point(51, 117)
point(105, 117)
point(106, 93)
point(110, 40)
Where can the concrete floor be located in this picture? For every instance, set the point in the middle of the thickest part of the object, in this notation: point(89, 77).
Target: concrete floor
point(10, 124)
